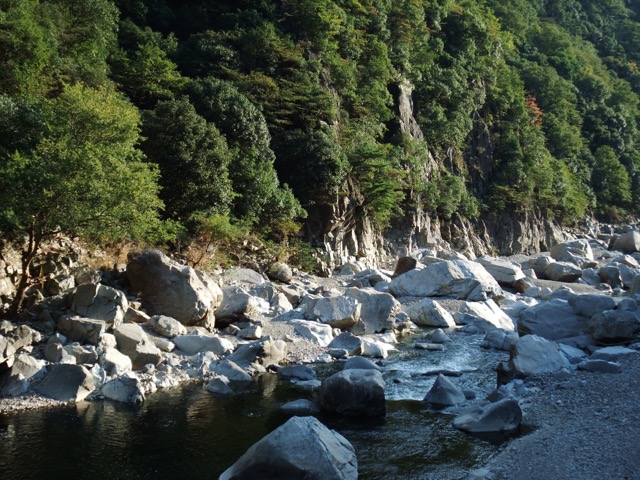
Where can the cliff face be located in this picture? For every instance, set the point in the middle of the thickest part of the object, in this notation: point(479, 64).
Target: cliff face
point(346, 232)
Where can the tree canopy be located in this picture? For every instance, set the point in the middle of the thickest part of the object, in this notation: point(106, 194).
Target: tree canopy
point(256, 110)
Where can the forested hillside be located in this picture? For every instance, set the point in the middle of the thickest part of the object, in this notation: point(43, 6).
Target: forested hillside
point(258, 113)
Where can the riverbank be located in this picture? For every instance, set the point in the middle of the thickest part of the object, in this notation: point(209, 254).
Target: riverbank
point(586, 426)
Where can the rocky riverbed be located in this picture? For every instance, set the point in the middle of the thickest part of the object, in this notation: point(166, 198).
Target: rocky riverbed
point(156, 324)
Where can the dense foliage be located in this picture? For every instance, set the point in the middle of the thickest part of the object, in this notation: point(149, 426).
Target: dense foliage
point(255, 111)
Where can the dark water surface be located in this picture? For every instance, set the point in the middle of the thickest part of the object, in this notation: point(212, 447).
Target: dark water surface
point(188, 433)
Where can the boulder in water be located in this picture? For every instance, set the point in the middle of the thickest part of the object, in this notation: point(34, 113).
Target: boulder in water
point(502, 416)
point(444, 393)
point(354, 393)
point(301, 448)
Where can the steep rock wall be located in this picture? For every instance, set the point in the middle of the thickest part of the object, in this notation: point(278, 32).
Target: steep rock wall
point(344, 232)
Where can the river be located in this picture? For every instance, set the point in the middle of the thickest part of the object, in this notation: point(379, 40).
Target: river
point(188, 433)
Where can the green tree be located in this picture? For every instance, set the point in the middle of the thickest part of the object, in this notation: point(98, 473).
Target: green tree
point(26, 48)
point(252, 171)
point(611, 182)
point(84, 176)
point(45, 44)
point(193, 158)
point(142, 66)
point(313, 163)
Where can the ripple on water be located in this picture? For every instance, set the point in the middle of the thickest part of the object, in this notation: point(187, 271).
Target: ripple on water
point(407, 372)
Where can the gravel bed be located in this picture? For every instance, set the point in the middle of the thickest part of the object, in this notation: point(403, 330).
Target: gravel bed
point(31, 401)
point(586, 426)
point(300, 350)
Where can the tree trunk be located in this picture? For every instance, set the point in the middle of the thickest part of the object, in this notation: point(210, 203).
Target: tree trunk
point(27, 258)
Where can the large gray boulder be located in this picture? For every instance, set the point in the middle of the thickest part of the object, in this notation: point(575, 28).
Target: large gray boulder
point(533, 355)
point(114, 362)
point(166, 326)
point(281, 272)
point(316, 332)
point(14, 338)
point(66, 382)
point(505, 272)
point(591, 304)
point(574, 251)
point(171, 289)
point(301, 448)
point(615, 326)
point(553, 320)
point(456, 278)
point(354, 393)
point(219, 386)
point(15, 381)
point(126, 388)
point(232, 371)
point(242, 275)
point(628, 242)
point(371, 277)
point(502, 416)
point(338, 312)
point(83, 330)
point(613, 353)
point(348, 342)
point(297, 372)
point(26, 367)
point(611, 275)
point(236, 303)
point(600, 366)
point(83, 354)
point(444, 393)
point(487, 316)
point(99, 302)
point(499, 339)
point(377, 309)
point(540, 264)
point(373, 347)
point(136, 344)
point(360, 363)
point(59, 284)
point(625, 272)
point(280, 304)
point(430, 313)
point(563, 272)
point(265, 351)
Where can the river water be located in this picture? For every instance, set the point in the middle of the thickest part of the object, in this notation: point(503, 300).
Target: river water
point(188, 433)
